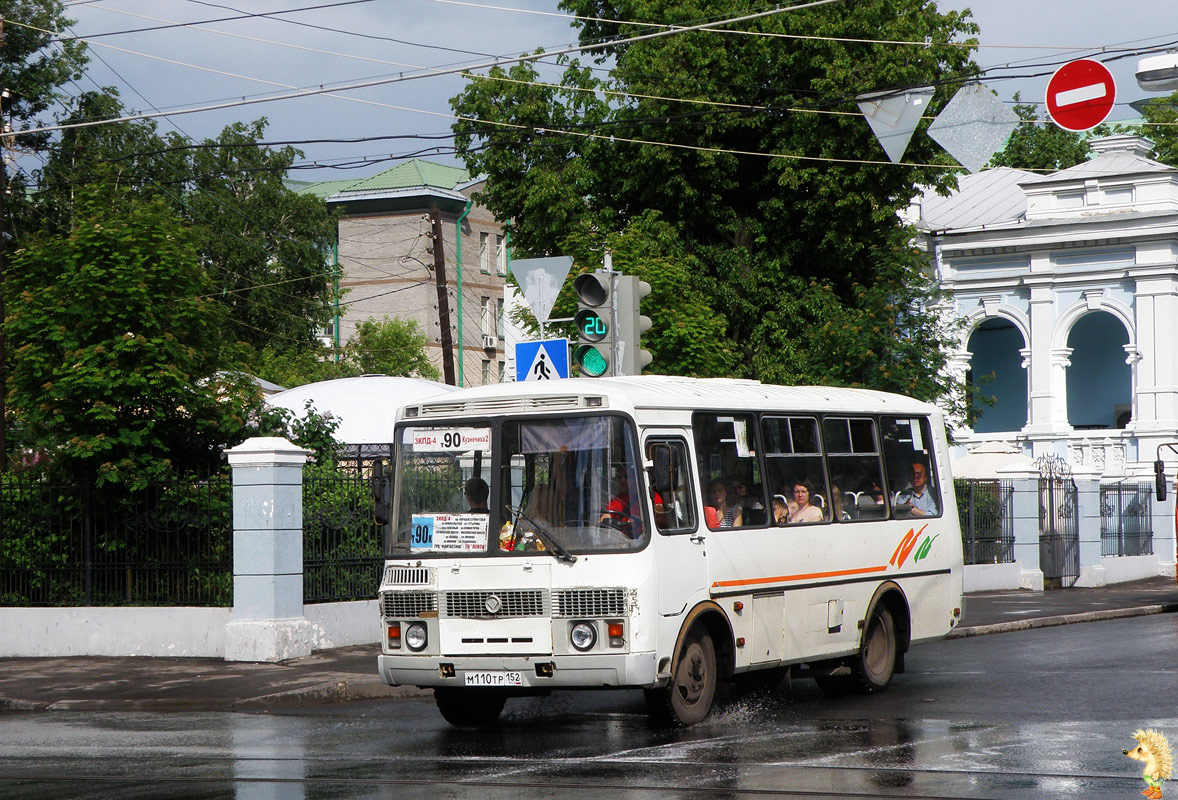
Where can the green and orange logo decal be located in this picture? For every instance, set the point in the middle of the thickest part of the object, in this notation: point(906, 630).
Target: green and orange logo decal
point(910, 543)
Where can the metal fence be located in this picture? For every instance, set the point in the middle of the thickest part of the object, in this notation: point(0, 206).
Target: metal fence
point(169, 544)
point(1126, 519)
point(343, 546)
point(172, 543)
point(986, 512)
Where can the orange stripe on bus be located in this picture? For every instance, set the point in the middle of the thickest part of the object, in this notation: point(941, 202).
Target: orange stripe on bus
point(806, 576)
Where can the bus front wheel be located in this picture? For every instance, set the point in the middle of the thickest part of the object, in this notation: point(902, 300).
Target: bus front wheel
point(687, 699)
point(470, 708)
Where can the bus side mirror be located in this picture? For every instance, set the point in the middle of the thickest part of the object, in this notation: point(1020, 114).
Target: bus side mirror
point(1159, 479)
point(661, 479)
point(382, 484)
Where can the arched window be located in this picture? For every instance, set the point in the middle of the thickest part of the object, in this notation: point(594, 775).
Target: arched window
point(996, 369)
point(1099, 379)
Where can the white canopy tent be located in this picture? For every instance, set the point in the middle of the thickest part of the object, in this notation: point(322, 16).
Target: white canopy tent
point(992, 460)
point(365, 407)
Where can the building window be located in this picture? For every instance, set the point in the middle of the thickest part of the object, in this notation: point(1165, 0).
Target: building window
point(500, 256)
point(485, 252)
point(501, 370)
point(488, 320)
point(499, 326)
point(486, 371)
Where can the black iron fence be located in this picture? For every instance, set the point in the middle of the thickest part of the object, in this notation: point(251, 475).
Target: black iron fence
point(1126, 519)
point(172, 543)
point(986, 512)
point(169, 544)
point(343, 547)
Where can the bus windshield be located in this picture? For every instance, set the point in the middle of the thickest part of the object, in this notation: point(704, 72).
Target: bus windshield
point(562, 485)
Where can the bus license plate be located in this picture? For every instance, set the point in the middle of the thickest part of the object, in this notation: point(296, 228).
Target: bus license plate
point(498, 678)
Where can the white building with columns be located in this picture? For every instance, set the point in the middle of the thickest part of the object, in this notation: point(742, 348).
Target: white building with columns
point(1067, 284)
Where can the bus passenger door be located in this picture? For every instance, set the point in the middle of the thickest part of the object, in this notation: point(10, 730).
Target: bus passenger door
point(679, 539)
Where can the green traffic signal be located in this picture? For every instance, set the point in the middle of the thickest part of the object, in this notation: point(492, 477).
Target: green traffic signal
point(590, 361)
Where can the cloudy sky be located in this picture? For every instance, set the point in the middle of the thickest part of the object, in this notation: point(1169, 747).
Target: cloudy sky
point(343, 42)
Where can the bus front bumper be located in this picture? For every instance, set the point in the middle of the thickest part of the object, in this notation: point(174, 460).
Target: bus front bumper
point(535, 672)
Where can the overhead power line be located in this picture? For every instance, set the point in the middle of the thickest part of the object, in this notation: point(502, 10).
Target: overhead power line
point(400, 78)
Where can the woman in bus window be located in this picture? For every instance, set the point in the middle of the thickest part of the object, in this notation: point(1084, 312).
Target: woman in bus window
point(803, 493)
point(719, 513)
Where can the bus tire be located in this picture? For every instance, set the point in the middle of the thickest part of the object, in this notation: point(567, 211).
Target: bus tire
point(875, 664)
point(687, 699)
point(470, 708)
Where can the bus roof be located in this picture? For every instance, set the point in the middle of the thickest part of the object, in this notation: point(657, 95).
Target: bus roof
point(659, 391)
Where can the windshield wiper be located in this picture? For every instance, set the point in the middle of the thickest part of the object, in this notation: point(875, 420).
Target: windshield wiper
point(554, 547)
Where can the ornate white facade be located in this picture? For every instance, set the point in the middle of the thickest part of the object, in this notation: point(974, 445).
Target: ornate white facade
point(1067, 286)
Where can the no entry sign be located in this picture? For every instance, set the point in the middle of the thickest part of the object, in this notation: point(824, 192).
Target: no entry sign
point(1080, 95)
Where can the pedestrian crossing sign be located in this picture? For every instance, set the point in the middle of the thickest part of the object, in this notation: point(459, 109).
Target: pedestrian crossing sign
point(542, 361)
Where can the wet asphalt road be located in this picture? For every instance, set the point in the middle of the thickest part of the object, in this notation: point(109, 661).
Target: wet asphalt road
point(1037, 713)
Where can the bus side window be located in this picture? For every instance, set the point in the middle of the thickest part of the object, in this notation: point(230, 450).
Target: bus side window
point(856, 474)
point(912, 472)
point(726, 448)
point(670, 486)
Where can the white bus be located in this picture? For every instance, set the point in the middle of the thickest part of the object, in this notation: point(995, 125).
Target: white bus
point(670, 534)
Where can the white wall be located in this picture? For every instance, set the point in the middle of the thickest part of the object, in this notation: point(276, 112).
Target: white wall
point(186, 632)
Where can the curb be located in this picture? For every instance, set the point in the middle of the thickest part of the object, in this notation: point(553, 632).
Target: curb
point(1063, 619)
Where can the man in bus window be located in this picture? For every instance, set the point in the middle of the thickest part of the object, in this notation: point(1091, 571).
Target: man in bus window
point(476, 496)
point(917, 499)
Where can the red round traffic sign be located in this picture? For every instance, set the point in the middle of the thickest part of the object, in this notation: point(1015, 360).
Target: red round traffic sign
point(1080, 95)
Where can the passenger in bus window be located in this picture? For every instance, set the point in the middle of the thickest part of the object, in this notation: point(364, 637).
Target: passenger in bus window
point(476, 496)
point(719, 513)
point(803, 492)
point(623, 510)
point(917, 499)
point(780, 510)
point(837, 511)
point(746, 501)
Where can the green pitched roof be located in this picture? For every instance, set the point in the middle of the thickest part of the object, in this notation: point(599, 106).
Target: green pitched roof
point(411, 174)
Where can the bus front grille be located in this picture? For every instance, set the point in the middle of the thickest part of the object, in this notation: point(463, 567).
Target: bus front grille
point(400, 605)
point(590, 603)
point(407, 576)
point(495, 604)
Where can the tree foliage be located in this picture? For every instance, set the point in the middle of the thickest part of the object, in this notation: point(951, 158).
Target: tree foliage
point(1040, 144)
point(782, 219)
point(390, 347)
point(118, 371)
point(1163, 111)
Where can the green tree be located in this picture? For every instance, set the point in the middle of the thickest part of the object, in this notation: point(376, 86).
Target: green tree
point(118, 371)
point(1040, 144)
point(294, 366)
point(33, 68)
point(1163, 112)
point(768, 195)
point(267, 247)
point(390, 347)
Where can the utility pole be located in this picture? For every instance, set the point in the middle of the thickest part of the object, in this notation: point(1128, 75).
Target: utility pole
point(3, 273)
point(447, 341)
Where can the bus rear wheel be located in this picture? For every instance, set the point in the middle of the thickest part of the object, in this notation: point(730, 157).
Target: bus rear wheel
point(470, 708)
point(873, 666)
point(687, 699)
point(876, 663)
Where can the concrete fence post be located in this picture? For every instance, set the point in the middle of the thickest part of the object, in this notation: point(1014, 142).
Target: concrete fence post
point(267, 622)
point(1092, 571)
point(1026, 531)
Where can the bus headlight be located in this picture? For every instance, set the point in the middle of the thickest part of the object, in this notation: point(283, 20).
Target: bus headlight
point(583, 636)
point(415, 636)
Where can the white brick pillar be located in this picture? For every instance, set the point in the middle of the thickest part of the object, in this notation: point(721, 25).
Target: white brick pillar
point(267, 622)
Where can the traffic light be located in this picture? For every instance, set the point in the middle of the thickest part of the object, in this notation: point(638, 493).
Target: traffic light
point(631, 325)
point(594, 351)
